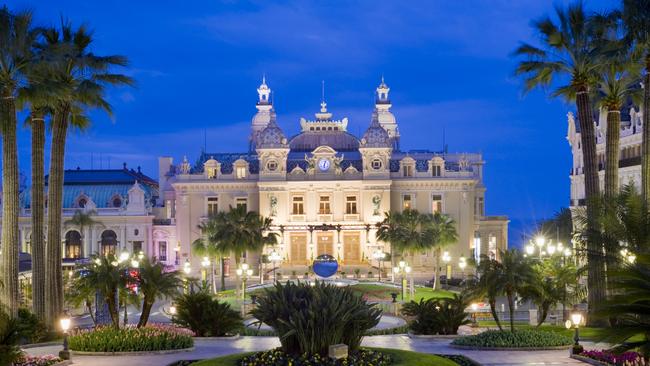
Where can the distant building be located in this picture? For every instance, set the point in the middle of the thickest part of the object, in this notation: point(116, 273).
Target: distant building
point(630, 152)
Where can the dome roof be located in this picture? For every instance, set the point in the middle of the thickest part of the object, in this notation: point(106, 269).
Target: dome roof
point(271, 136)
point(338, 140)
point(375, 136)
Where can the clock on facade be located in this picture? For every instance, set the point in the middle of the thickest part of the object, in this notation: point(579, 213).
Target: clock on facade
point(324, 165)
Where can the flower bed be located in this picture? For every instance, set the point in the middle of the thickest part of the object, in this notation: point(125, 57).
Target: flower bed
point(523, 338)
point(46, 360)
point(609, 358)
point(363, 357)
point(154, 337)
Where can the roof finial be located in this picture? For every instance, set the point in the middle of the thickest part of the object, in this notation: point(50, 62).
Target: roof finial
point(323, 105)
point(264, 78)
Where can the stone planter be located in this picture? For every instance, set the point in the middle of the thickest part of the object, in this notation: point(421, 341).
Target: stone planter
point(589, 361)
point(137, 353)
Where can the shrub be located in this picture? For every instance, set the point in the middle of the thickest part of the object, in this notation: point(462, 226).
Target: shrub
point(518, 339)
point(437, 316)
point(153, 337)
point(309, 318)
point(46, 360)
point(370, 274)
point(9, 338)
point(277, 356)
point(622, 359)
point(206, 316)
point(31, 329)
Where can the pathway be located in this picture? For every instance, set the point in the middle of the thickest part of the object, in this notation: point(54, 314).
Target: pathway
point(208, 348)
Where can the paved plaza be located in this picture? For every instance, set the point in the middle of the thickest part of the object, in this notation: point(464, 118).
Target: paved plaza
point(208, 348)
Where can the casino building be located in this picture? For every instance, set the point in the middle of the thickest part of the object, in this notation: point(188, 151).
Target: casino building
point(325, 189)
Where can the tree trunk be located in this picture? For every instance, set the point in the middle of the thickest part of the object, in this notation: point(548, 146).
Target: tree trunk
point(38, 214)
point(544, 313)
point(54, 277)
point(436, 271)
point(612, 152)
point(113, 311)
point(645, 142)
point(595, 263)
point(223, 275)
point(213, 285)
point(9, 241)
point(511, 310)
point(493, 310)
point(146, 310)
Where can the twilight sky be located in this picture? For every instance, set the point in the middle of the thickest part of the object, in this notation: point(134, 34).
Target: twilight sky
point(448, 64)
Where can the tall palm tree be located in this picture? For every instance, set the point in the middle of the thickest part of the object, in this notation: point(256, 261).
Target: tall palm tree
point(515, 273)
point(439, 231)
point(155, 283)
point(208, 246)
point(402, 230)
point(487, 272)
point(636, 20)
point(16, 40)
point(570, 51)
point(84, 76)
point(244, 231)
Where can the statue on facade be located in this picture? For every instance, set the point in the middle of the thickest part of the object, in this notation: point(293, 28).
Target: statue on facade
point(337, 164)
point(185, 166)
point(311, 165)
point(273, 201)
point(376, 203)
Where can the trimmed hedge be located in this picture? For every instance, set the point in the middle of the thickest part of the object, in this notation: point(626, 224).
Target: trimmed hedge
point(154, 337)
point(363, 357)
point(522, 338)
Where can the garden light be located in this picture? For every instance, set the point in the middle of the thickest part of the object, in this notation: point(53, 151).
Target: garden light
point(65, 326)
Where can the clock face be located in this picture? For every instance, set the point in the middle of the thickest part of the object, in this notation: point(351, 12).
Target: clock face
point(323, 165)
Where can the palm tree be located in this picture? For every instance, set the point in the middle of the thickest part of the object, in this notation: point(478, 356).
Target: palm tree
point(208, 246)
point(569, 50)
point(155, 283)
point(106, 276)
point(488, 273)
point(242, 231)
point(82, 219)
point(402, 230)
point(84, 77)
point(514, 274)
point(636, 20)
point(16, 40)
point(439, 231)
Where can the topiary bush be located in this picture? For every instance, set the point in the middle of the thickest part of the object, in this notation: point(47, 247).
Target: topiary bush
point(310, 318)
point(437, 316)
point(522, 338)
point(153, 337)
point(205, 316)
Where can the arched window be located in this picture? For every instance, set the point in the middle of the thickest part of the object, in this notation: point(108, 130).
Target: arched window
point(116, 202)
point(72, 244)
point(109, 242)
point(82, 202)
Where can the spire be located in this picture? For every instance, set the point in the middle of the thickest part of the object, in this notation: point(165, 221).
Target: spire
point(382, 92)
point(323, 115)
point(383, 114)
point(263, 92)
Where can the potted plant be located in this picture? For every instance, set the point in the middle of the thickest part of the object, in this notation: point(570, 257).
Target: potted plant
point(357, 273)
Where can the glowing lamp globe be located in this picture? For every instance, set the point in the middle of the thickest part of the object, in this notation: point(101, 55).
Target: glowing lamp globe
point(325, 265)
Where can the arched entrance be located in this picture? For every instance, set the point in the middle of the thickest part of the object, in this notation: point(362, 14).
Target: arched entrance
point(109, 242)
point(72, 244)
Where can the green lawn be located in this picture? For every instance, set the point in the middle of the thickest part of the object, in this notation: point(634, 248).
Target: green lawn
point(400, 358)
point(585, 332)
point(381, 292)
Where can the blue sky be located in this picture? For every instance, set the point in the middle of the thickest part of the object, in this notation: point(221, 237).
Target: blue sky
point(448, 64)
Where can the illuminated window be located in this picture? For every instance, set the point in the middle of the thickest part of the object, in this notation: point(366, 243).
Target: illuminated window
point(406, 202)
point(240, 172)
point(213, 205)
point(351, 205)
point(436, 203)
point(324, 205)
point(242, 202)
point(298, 205)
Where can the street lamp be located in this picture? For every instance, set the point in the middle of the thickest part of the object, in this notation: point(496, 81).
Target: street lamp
point(244, 272)
point(402, 269)
point(575, 321)
point(462, 263)
point(379, 256)
point(446, 258)
point(124, 256)
point(172, 311)
point(474, 307)
point(274, 257)
point(187, 267)
point(65, 326)
point(205, 263)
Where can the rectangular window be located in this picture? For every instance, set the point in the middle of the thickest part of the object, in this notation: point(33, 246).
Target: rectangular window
point(479, 207)
point(408, 170)
point(137, 247)
point(298, 205)
point(177, 257)
point(240, 172)
point(437, 169)
point(351, 205)
point(213, 205)
point(436, 203)
point(324, 206)
point(242, 202)
point(406, 202)
point(162, 251)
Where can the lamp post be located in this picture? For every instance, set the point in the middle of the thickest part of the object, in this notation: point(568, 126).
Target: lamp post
point(379, 256)
point(205, 263)
point(446, 258)
point(65, 326)
point(575, 321)
point(172, 311)
point(474, 307)
point(244, 272)
point(462, 263)
point(187, 269)
point(402, 269)
point(274, 257)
